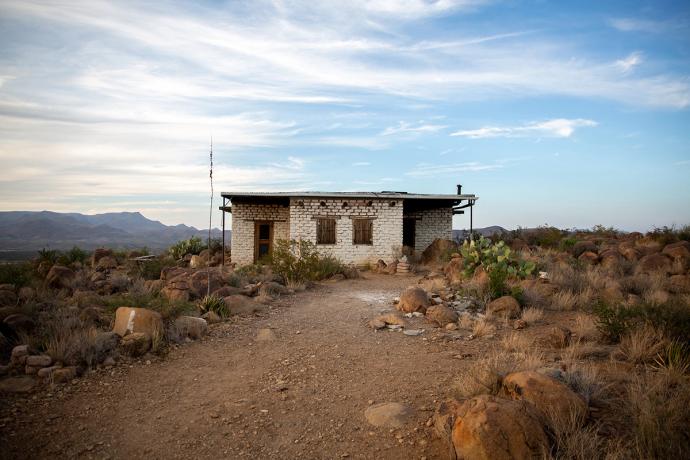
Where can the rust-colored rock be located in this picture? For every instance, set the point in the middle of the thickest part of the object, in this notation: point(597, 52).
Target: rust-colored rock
point(581, 247)
point(59, 277)
point(98, 254)
point(647, 246)
point(439, 247)
point(679, 284)
point(588, 257)
point(556, 337)
point(453, 271)
point(106, 263)
point(505, 306)
point(242, 305)
point(549, 396)
point(655, 263)
point(491, 428)
point(395, 319)
point(413, 299)
point(130, 320)
point(135, 344)
point(441, 315)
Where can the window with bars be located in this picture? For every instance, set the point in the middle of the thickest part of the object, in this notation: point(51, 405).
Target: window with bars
point(362, 231)
point(325, 231)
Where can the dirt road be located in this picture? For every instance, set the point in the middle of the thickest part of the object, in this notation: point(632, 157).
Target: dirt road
point(301, 395)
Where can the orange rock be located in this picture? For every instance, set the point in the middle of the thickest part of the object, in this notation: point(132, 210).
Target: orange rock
point(413, 299)
point(504, 306)
point(129, 320)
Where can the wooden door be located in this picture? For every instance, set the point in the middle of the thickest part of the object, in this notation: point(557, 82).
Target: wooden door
point(409, 229)
point(263, 239)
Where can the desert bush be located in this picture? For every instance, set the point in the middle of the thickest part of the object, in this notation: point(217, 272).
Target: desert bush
point(657, 404)
point(578, 350)
point(194, 245)
point(544, 236)
point(300, 262)
point(483, 328)
point(564, 300)
point(215, 304)
point(20, 274)
point(74, 255)
point(515, 342)
point(151, 269)
point(674, 359)
point(673, 318)
point(49, 256)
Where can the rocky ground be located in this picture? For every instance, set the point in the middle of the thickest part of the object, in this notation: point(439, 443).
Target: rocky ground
point(298, 391)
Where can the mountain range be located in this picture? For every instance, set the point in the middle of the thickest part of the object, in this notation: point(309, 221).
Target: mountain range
point(30, 231)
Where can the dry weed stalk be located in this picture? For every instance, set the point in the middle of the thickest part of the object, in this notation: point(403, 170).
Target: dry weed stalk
point(483, 328)
point(564, 300)
point(466, 321)
point(515, 342)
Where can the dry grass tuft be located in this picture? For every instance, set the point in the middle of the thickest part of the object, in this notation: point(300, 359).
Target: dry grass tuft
point(656, 297)
point(532, 315)
point(578, 350)
point(483, 328)
point(658, 407)
point(486, 375)
point(564, 300)
point(466, 321)
point(297, 286)
point(641, 345)
point(586, 328)
point(515, 342)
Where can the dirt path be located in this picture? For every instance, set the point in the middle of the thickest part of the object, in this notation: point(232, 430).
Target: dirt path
point(301, 395)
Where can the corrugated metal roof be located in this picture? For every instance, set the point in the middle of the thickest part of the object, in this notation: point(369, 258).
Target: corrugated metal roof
point(371, 195)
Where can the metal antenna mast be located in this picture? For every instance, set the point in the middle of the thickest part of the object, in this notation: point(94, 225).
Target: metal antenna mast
point(210, 215)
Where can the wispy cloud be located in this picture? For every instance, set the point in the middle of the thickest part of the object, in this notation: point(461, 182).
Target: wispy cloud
point(361, 163)
point(412, 128)
point(559, 127)
point(636, 25)
point(629, 63)
point(424, 169)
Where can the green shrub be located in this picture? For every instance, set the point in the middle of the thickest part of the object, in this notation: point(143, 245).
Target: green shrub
point(19, 274)
point(298, 262)
point(74, 255)
point(151, 269)
point(567, 244)
point(497, 282)
point(544, 236)
point(49, 256)
point(215, 304)
point(615, 320)
point(194, 245)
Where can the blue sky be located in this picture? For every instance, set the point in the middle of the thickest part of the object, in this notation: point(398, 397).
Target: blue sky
point(567, 113)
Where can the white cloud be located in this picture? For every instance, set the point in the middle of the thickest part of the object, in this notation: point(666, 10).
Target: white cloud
point(424, 169)
point(559, 127)
point(361, 163)
point(636, 25)
point(630, 62)
point(412, 128)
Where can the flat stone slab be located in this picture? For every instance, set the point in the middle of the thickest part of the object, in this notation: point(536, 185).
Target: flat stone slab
point(391, 415)
point(21, 384)
point(413, 332)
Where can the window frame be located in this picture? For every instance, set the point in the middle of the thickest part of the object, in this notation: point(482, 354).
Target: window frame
point(319, 222)
point(370, 231)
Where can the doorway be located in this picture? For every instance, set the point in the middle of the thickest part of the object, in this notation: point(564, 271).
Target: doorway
point(409, 228)
point(263, 239)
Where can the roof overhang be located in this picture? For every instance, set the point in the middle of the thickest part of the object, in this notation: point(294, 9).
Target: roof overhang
point(355, 195)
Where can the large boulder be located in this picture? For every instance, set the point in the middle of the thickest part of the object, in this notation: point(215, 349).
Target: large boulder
point(130, 320)
point(392, 319)
point(106, 263)
point(679, 284)
point(505, 306)
point(17, 323)
point(655, 263)
point(389, 415)
point(242, 305)
point(555, 337)
point(60, 277)
point(198, 282)
point(98, 254)
point(135, 344)
point(454, 271)
point(7, 297)
point(196, 262)
point(627, 249)
point(439, 247)
point(647, 246)
point(550, 397)
point(581, 247)
point(441, 315)
point(191, 327)
point(681, 249)
point(588, 257)
point(413, 299)
point(491, 428)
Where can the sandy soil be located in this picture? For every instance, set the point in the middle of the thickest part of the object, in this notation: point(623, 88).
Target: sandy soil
point(301, 395)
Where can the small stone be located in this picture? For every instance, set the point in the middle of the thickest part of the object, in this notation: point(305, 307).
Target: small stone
point(413, 332)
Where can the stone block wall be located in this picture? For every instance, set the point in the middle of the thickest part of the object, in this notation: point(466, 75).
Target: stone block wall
point(387, 226)
point(244, 215)
point(431, 224)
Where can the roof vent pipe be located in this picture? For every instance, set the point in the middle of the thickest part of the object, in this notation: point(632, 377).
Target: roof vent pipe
point(459, 189)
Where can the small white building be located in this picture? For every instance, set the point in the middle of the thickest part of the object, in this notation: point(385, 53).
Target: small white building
point(355, 227)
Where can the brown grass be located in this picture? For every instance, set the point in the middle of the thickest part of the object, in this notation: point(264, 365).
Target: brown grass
point(516, 342)
point(564, 300)
point(532, 315)
point(585, 328)
point(466, 321)
point(658, 407)
point(486, 375)
point(641, 345)
point(483, 327)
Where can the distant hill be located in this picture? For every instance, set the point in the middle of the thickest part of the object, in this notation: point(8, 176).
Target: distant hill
point(459, 235)
point(28, 231)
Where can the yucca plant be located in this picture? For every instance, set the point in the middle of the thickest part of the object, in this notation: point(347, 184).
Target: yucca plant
point(215, 304)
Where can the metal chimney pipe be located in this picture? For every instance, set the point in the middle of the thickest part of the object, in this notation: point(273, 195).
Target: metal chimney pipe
point(459, 189)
